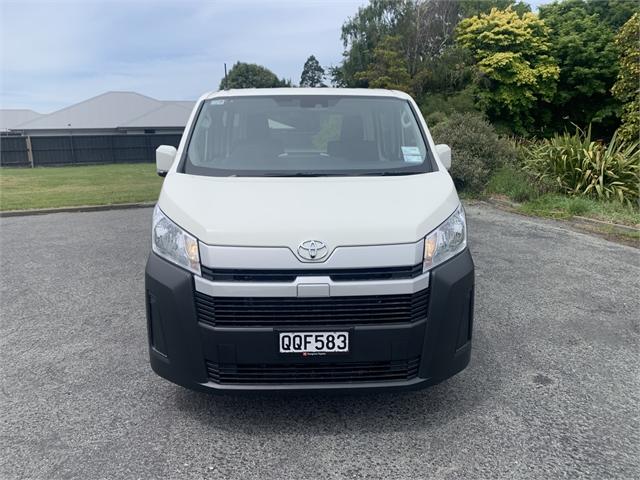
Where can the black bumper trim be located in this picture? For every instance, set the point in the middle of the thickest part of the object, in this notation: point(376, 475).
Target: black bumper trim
point(295, 373)
point(187, 342)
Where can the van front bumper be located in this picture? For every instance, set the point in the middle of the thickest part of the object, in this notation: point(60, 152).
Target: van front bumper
point(196, 355)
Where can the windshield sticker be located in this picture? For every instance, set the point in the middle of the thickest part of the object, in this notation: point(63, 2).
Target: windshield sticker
point(216, 102)
point(411, 154)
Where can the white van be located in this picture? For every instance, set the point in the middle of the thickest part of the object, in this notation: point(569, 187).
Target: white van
point(307, 239)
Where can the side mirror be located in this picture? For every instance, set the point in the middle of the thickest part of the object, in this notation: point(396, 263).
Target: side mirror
point(444, 152)
point(165, 154)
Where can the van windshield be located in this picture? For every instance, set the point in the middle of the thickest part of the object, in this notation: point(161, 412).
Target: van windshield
point(306, 135)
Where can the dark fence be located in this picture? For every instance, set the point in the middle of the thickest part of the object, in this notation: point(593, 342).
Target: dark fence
point(82, 149)
point(13, 152)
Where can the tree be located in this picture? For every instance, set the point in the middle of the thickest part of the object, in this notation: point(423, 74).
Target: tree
point(250, 75)
point(613, 12)
point(362, 33)
point(312, 73)
point(447, 73)
point(583, 46)
point(336, 75)
point(471, 8)
point(388, 69)
point(514, 68)
point(425, 28)
point(627, 86)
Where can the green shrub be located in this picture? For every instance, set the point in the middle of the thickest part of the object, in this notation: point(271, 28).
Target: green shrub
point(626, 86)
point(521, 146)
point(461, 102)
point(477, 150)
point(513, 183)
point(435, 118)
point(582, 167)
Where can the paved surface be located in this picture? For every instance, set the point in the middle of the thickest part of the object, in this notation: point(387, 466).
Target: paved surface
point(552, 390)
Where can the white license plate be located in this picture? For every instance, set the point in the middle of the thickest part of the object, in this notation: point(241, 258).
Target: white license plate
point(314, 342)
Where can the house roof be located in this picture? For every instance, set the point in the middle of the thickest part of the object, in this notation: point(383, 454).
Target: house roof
point(9, 118)
point(169, 114)
point(185, 103)
point(112, 110)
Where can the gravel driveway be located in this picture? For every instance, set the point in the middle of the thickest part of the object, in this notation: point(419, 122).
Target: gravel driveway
point(553, 388)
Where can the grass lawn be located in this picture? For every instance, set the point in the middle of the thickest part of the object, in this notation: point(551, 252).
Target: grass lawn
point(515, 185)
point(49, 187)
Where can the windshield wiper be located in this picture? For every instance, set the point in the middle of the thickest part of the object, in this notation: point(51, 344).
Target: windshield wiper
point(304, 174)
point(384, 174)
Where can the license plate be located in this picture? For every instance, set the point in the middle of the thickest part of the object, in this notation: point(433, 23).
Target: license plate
point(314, 342)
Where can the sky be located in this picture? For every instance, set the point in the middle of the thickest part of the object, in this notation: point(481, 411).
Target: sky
point(54, 53)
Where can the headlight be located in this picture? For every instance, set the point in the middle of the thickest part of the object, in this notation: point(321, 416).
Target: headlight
point(447, 240)
point(174, 244)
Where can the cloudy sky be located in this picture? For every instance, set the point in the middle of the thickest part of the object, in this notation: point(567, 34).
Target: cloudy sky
point(57, 52)
point(54, 53)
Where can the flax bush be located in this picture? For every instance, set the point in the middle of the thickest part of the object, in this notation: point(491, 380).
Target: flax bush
point(580, 166)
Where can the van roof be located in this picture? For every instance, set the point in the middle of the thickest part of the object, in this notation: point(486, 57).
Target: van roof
point(362, 92)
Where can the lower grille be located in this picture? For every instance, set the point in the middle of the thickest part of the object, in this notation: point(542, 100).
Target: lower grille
point(310, 311)
point(313, 373)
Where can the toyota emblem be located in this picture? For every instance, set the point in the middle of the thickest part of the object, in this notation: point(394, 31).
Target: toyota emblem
point(312, 250)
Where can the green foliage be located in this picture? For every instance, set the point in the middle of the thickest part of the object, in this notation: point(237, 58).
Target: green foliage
point(438, 107)
point(627, 86)
point(446, 73)
point(561, 206)
point(336, 76)
point(435, 118)
point(580, 166)
point(514, 183)
point(471, 8)
point(614, 13)
point(361, 35)
point(388, 69)
point(477, 150)
point(312, 73)
point(514, 65)
point(538, 199)
point(583, 46)
point(250, 75)
point(425, 29)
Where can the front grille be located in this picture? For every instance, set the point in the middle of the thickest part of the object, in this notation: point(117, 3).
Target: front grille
point(313, 373)
point(337, 275)
point(309, 311)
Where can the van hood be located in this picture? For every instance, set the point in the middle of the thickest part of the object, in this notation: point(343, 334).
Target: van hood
point(284, 212)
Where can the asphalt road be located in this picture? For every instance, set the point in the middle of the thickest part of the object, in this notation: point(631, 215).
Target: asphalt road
point(553, 388)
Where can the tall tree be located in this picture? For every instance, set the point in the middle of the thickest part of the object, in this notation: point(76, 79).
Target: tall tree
point(312, 73)
point(583, 46)
point(362, 33)
point(515, 70)
point(425, 29)
point(613, 12)
point(471, 8)
point(627, 86)
point(429, 32)
point(250, 75)
point(388, 69)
